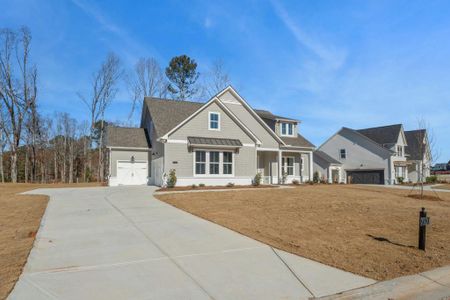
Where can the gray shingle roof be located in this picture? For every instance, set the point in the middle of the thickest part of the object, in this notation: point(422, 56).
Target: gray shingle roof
point(298, 141)
point(127, 137)
point(167, 114)
point(195, 140)
point(265, 114)
point(325, 157)
point(415, 148)
point(383, 135)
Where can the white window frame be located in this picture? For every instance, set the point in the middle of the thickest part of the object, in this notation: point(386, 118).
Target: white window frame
point(400, 150)
point(227, 163)
point(285, 165)
point(195, 163)
point(207, 174)
point(340, 153)
point(216, 162)
point(288, 124)
point(218, 120)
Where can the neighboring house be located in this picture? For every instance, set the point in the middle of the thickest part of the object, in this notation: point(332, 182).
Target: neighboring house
point(441, 167)
point(373, 155)
point(215, 143)
point(418, 154)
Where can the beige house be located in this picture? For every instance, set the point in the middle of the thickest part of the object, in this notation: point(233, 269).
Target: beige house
point(215, 143)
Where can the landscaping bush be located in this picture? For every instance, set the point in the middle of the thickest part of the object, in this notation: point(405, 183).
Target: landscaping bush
point(194, 186)
point(172, 180)
point(201, 185)
point(400, 180)
point(316, 177)
point(295, 181)
point(257, 179)
point(230, 184)
point(431, 179)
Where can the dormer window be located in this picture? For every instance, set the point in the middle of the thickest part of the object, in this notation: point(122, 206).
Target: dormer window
point(399, 150)
point(287, 129)
point(214, 121)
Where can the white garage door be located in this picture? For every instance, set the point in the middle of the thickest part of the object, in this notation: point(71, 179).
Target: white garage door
point(132, 173)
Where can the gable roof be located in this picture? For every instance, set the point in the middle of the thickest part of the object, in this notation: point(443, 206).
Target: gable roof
point(326, 157)
point(382, 135)
point(415, 147)
point(127, 137)
point(167, 114)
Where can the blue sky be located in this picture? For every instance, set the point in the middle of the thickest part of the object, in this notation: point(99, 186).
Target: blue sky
point(328, 63)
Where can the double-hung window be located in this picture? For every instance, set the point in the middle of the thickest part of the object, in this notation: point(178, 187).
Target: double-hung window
point(214, 162)
point(228, 163)
point(200, 162)
point(287, 129)
point(288, 165)
point(342, 154)
point(399, 151)
point(214, 121)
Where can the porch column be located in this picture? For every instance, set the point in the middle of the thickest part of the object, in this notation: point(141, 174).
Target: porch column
point(280, 172)
point(311, 171)
point(329, 175)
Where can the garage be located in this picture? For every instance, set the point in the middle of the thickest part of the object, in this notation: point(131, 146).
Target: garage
point(366, 177)
point(129, 156)
point(132, 172)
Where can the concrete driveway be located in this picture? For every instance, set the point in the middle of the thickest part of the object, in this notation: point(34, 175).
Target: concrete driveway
point(122, 243)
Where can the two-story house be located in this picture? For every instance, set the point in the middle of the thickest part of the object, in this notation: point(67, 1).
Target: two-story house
point(377, 155)
point(215, 143)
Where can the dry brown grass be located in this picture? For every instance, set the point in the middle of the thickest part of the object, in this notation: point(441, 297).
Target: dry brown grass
point(365, 230)
point(445, 186)
point(20, 216)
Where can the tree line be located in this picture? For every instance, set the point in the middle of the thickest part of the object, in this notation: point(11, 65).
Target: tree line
point(60, 148)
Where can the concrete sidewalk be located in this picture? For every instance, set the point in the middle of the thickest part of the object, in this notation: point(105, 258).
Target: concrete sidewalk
point(434, 284)
point(121, 243)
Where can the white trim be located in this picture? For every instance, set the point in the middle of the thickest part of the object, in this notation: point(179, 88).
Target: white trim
point(213, 181)
point(207, 162)
point(128, 148)
point(255, 115)
point(287, 129)
point(285, 165)
point(267, 149)
point(248, 145)
point(218, 120)
point(176, 141)
point(236, 119)
point(213, 99)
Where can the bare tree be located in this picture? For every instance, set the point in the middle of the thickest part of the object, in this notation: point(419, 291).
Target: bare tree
point(216, 78)
point(17, 87)
point(427, 149)
point(2, 143)
point(103, 90)
point(146, 80)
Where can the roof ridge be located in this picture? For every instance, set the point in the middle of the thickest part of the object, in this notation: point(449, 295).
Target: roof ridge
point(377, 127)
point(172, 100)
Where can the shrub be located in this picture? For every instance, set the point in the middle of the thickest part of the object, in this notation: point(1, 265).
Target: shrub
point(295, 181)
point(230, 184)
point(194, 186)
point(400, 180)
point(431, 179)
point(172, 180)
point(257, 179)
point(316, 177)
point(201, 185)
point(310, 182)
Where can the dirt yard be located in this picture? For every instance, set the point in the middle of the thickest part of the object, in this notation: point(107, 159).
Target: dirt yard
point(20, 216)
point(445, 186)
point(365, 230)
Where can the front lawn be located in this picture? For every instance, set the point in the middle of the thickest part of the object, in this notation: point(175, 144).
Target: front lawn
point(369, 231)
point(444, 186)
point(20, 216)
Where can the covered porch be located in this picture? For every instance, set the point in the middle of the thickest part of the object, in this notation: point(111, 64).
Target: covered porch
point(284, 166)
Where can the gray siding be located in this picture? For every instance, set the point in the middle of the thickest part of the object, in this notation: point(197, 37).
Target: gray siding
point(267, 140)
point(198, 126)
point(361, 153)
point(126, 155)
point(178, 157)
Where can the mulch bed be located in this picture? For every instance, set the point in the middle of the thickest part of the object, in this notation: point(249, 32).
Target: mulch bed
point(215, 187)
